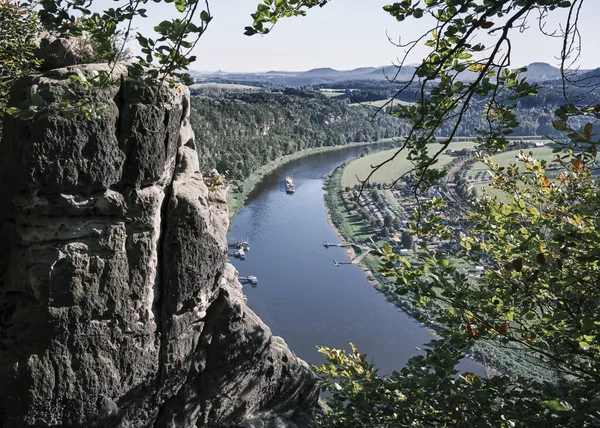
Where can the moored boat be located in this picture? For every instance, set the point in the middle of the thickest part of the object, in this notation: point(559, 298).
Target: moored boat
point(289, 184)
point(240, 254)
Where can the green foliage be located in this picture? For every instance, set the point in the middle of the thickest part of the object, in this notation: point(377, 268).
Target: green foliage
point(427, 392)
point(18, 27)
point(167, 55)
point(539, 245)
point(163, 58)
point(270, 11)
point(77, 100)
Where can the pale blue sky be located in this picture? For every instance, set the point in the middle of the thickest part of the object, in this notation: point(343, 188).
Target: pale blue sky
point(345, 34)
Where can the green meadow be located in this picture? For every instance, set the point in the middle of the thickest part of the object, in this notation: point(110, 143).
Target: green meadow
point(360, 168)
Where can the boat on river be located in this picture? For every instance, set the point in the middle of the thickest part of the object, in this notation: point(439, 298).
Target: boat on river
point(290, 187)
point(244, 245)
point(249, 279)
point(240, 254)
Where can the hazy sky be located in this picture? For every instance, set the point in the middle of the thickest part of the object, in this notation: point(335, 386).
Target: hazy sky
point(344, 34)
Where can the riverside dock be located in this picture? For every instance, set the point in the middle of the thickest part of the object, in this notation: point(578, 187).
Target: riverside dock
point(242, 245)
point(340, 244)
point(249, 279)
point(365, 251)
point(347, 244)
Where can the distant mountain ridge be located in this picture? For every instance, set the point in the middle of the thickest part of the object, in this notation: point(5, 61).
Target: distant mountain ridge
point(537, 72)
point(314, 76)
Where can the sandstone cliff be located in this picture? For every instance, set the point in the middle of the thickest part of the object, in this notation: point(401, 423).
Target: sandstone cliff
point(117, 305)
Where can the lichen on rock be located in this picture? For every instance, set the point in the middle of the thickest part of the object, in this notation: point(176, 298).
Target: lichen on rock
point(117, 305)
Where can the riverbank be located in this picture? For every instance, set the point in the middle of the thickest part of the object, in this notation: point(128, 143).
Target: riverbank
point(237, 199)
point(352, 228)
point(301, 295)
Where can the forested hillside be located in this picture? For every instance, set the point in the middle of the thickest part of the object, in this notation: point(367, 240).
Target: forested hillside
point(535, 113)
point(239, 132)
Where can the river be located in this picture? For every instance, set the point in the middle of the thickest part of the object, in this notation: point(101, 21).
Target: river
point(301, 295)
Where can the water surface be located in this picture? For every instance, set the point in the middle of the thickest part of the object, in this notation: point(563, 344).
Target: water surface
point(301, 295)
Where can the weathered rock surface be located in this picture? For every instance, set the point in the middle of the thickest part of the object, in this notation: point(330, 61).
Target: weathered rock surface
point(117, 305)
point(57, 51)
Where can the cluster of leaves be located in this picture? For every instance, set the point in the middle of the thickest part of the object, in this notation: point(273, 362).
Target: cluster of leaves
point(270, 11)
point(428, 391)
point(214, 182)
point(77, 100)
point(164, 58)
point(19, 25)
point(170, 51)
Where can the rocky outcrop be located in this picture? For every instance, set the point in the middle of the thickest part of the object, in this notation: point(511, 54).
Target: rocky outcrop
point(56, 51)
point(117, 305)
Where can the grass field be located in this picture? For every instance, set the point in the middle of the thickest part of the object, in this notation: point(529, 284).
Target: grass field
point(330, 93)
point(506, 158)
point(226, 87)
point(379, 103)
point(360, 168)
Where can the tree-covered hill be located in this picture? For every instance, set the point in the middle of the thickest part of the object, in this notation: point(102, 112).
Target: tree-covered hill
point(239, 132)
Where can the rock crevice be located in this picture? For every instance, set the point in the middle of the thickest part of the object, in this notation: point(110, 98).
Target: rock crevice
point(117, 305)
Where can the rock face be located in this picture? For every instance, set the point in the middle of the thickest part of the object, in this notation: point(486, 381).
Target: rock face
point(117, 305)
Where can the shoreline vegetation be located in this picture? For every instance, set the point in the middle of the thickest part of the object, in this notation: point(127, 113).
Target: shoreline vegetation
point(236, 200)
point(495, 357)
point(336, 212)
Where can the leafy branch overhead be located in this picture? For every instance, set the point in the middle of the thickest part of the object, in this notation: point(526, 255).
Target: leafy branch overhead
point(169, 53)
point(270, 11)
point(164, 57)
